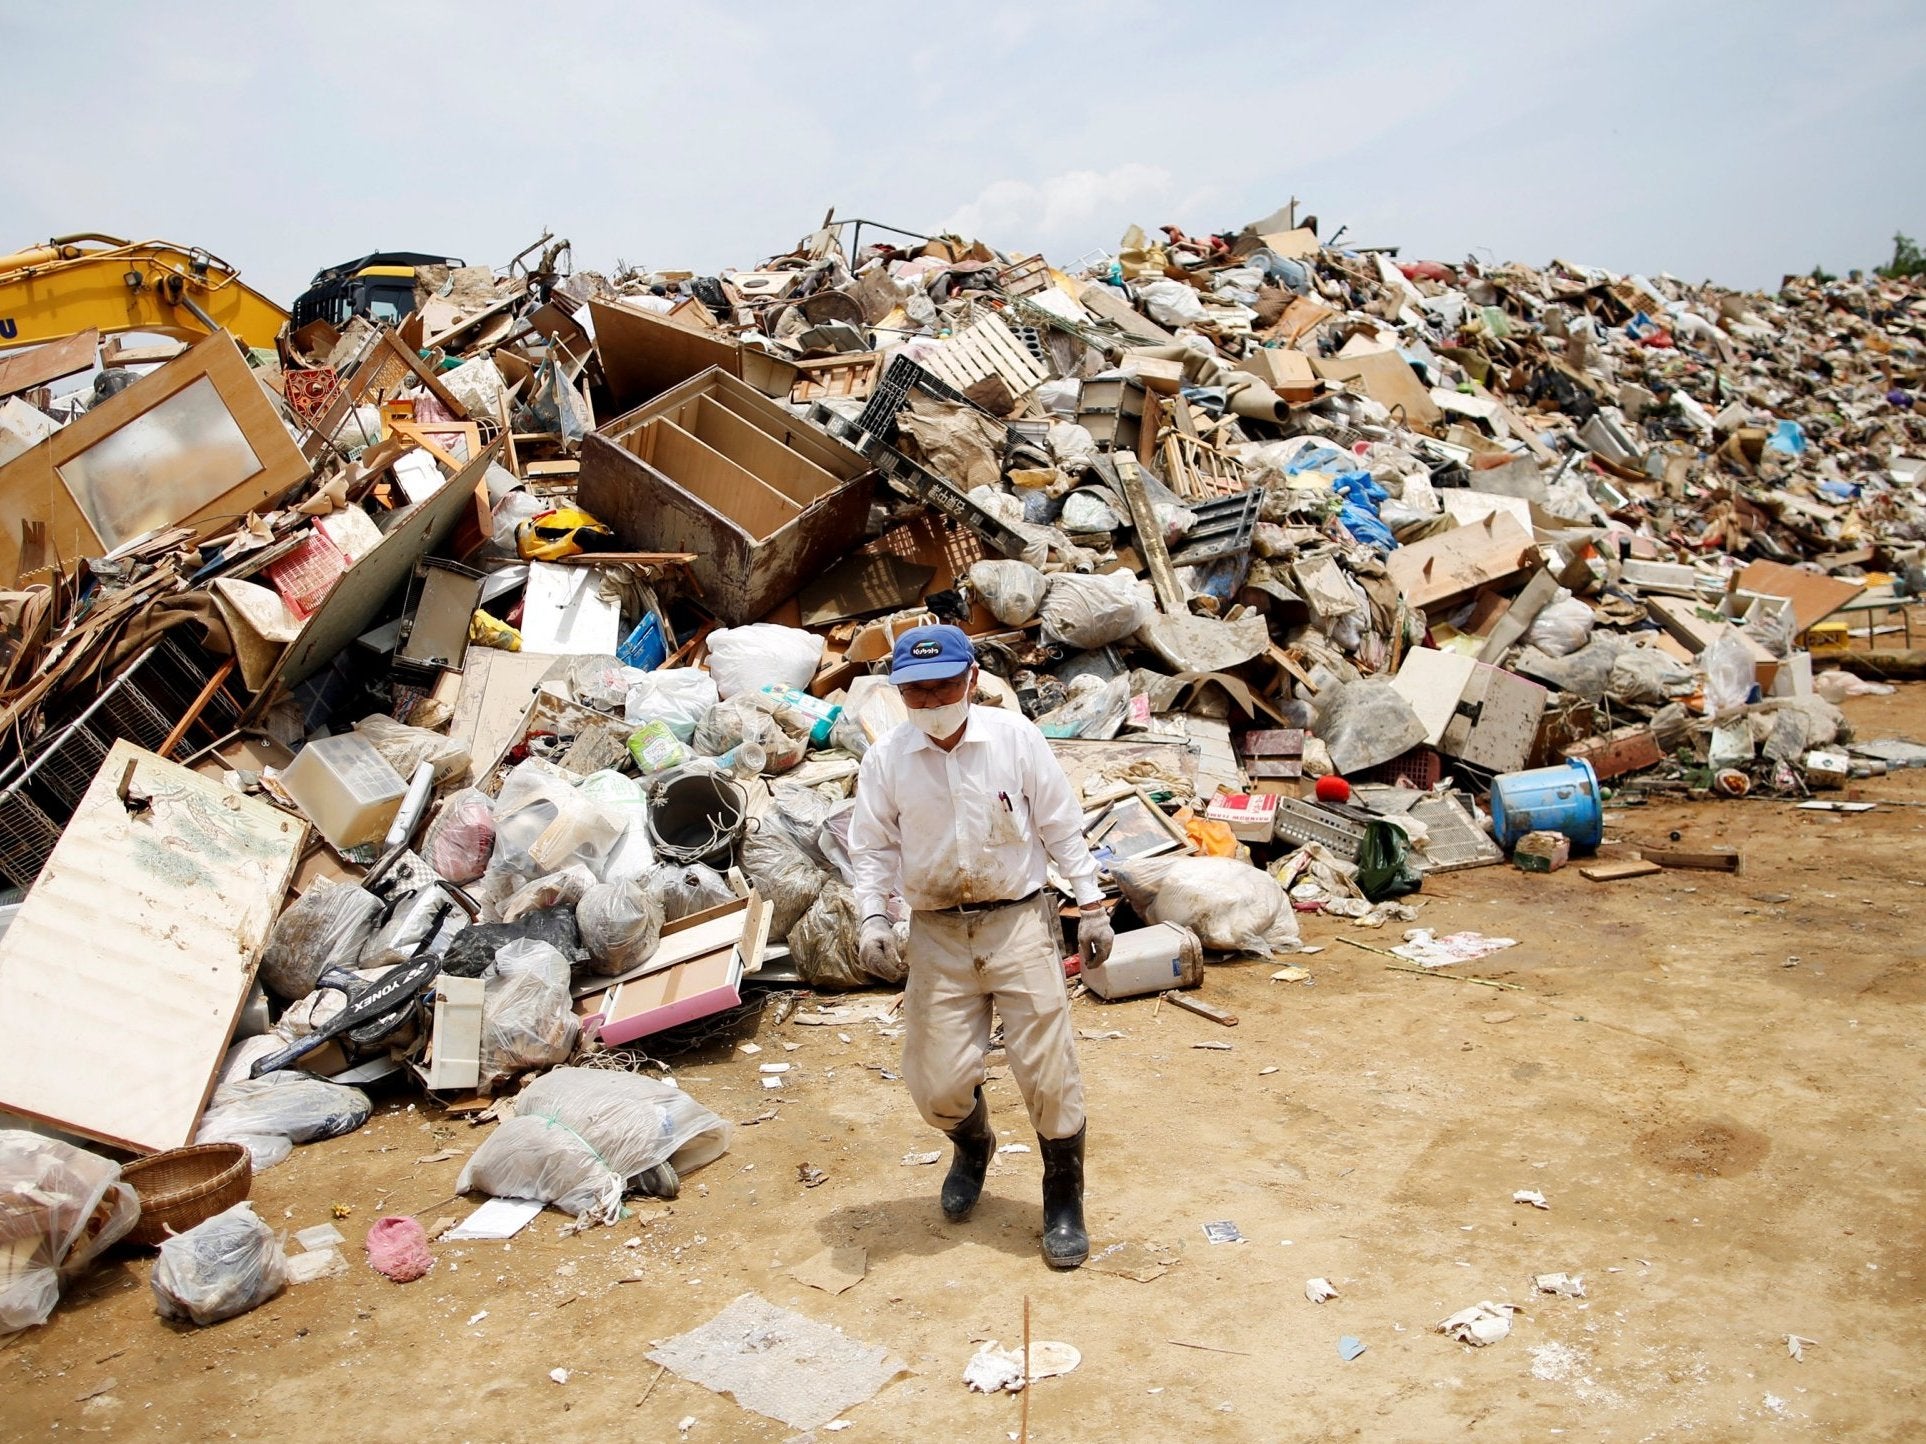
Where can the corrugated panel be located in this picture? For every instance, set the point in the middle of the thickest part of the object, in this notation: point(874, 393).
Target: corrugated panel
point(122, 976)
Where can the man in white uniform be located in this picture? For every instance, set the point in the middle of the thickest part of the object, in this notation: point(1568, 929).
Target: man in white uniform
point(957, 811)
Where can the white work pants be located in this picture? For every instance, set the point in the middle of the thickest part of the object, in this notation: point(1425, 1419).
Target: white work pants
point(959, 966)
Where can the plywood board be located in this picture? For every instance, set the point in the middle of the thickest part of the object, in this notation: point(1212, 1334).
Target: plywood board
point(497, 689)
point(1813, 597)
point(27, 369)
point(1458, 562)
point(123, 975)
point(644, 354)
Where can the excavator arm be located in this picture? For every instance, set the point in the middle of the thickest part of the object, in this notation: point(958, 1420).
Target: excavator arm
point(76, 282)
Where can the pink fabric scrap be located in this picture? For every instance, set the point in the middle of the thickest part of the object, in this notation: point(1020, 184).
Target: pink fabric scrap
point(398, 1247)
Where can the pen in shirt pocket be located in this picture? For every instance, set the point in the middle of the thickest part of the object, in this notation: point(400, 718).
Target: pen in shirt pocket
point(1005, 797)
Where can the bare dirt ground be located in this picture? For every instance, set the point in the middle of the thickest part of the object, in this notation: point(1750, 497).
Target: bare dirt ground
point(1714, 1080)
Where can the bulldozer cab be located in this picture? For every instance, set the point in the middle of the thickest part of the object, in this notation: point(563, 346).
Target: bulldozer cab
point(379, 286)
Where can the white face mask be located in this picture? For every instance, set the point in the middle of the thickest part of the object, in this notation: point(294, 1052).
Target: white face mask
point(939, 722)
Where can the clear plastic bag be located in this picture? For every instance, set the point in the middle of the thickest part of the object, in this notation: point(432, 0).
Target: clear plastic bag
point(783, 874)
point(1837, 686)
point(324, 927)
point(687, 889)
point(270, 1114)
point(1647, 676)
point(1729, 673)
point(542, 824)
point(620, 924)
point(675, 696)
point(528, 1018)
point(225, 1266)
point(1231, 906)
point(824, 944)
point(562, 889)
point(1011, 590)
point(746, 659)
point(405, 748)
point(1561, 628)
point(421, 916)
point(60, 1206)
point(462, 836)
point(1093, 611)
point(581, 1135)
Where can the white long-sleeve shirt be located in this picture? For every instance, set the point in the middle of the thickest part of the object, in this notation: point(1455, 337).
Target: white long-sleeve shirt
point(971, 825)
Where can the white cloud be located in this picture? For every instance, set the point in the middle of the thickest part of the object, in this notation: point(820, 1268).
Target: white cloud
point(1073, 206)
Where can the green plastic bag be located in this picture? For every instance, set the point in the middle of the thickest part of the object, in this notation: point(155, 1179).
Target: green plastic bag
point(1384, 862)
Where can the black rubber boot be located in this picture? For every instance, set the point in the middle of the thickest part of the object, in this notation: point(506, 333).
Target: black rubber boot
point(975, 1141)
point(1065, 1243)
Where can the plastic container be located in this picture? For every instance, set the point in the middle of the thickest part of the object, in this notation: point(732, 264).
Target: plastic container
point(655, 749)
point(822, 715)
point(1548, 799)
point(1149, 960)
point(346, 789)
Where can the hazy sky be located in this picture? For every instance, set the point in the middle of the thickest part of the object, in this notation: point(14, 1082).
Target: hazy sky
point(1736, 140)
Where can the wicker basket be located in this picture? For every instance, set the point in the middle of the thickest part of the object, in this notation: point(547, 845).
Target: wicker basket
point(186, 1186)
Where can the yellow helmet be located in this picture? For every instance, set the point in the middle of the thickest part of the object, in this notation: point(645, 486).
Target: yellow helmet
point(551, 535)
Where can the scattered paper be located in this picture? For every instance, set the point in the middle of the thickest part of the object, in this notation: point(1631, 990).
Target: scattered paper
point(1223, 1231)
point(994, 1368)
point(475, 1318)
point(442, 1155)
point(773, 1067)
point(320, 1263)
point(322, 1235)
point(1349, 1347)
point(1213, 1046)
point(1423, 947)
point(1570, 1286)
point(1318, 1290)
point(1139, 1262)
point(1531, 1196)
point(779, 1363)
point(918, 1160)
point(834, 1270)
point(1796, 1345)
point(1266, 1072)
point(1292, 974)
point(1481, 1324)
point(560, 1376)
point(499, 1218)
point(772, 1082)
point(1014, 1148)
point(1099, 1035)
point(750, 1048)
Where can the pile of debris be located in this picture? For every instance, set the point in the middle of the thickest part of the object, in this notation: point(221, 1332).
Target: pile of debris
point(450, 698)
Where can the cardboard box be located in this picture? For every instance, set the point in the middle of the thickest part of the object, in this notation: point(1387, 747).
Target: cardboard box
point(1288, 373)
point(765, 500)
point(1251, 815)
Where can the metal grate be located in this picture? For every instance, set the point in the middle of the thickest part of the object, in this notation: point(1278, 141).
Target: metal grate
point(1301, 822)
point(1454, 840)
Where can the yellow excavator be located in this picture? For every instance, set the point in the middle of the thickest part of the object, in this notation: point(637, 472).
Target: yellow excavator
point(73, 283)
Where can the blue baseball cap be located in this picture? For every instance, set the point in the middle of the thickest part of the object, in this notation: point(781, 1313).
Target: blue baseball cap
point(929, 654)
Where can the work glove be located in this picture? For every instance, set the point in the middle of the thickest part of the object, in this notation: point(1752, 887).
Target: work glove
point(1094, 938)
point(878, 951)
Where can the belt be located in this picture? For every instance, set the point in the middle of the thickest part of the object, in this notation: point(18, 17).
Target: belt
point(967, 910)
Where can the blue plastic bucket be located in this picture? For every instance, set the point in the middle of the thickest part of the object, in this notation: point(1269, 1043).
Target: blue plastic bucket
point(1548, 799)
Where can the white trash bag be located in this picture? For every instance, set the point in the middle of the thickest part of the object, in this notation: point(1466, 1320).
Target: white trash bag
point(1230, 905)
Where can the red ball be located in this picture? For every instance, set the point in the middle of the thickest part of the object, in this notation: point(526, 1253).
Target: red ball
point(1333, 789)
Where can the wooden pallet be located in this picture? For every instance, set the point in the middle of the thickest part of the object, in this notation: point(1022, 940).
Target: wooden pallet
point(1197, 470)
point(987, 348)
point(853, 377)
